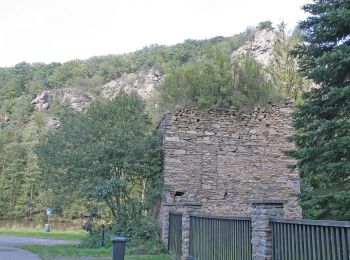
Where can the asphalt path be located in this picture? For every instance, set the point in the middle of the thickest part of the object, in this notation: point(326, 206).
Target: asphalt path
point(13, 253)
point(9, 246)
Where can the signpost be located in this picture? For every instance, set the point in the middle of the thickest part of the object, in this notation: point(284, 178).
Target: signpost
point(48, 214)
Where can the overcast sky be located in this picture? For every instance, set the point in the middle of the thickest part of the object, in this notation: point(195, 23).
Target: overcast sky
point(62, 30)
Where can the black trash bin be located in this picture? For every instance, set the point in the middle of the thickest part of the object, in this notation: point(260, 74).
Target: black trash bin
point(119, 247)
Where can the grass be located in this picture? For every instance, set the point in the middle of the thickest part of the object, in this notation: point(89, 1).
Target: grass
point(35, 232)
point(74, 251)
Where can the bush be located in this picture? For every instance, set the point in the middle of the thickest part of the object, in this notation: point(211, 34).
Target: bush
point(252, 84)
point(217, 83)
point(143, 232)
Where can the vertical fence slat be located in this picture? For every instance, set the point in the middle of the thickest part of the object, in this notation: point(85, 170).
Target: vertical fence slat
point(292, 241)
point(333, 250)
point(313, 236)
point(328, 251)
point(280, 236)
point(295, 242)
point(303, 242)
point(309, 240)
point(338, 243)
point(284, 234)
point(323, 244)
point(345, 252)
point(348, 242)
point(273, 240)
point(318, 243)
point(300, 242)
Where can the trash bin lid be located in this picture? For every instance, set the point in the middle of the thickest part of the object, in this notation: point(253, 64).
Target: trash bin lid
point(120, 239)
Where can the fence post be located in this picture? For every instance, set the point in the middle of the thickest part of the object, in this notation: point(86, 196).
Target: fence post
point(188, 209)
point(261, 212)
point(168, 207)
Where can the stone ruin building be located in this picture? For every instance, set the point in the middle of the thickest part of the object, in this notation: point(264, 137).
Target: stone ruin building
point(219, 160)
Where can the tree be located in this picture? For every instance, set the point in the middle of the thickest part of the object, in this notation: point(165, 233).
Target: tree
point(265, 25)
point(252, 83)
point(105, 154)
point(284, 68)
point(20, 176)
point(322, 123)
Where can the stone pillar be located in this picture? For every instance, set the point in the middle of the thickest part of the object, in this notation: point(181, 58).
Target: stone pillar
point(167, 208)
point(261, 212)
point(188, 209)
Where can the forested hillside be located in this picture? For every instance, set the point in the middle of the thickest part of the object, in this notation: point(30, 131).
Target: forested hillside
point(39, 100)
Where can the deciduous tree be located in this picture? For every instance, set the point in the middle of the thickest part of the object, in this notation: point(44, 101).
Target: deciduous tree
point(105, 154)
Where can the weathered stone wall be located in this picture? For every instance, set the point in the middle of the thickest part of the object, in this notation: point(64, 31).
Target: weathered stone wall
point(223, 158)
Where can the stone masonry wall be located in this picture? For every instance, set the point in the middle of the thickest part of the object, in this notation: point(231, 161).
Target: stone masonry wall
point(224, 158)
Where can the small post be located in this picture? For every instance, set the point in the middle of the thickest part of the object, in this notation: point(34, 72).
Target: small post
point(47, 227)
point(48, 214)
point(118, 247)
point(261, 212)
point(188, 209)
point(102, 236)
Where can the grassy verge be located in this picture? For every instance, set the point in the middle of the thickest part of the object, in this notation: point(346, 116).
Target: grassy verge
point(31, 232)
point(74, 251)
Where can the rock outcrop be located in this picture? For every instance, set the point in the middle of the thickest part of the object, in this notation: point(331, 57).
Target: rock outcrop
point(53, 122)
point(143, 83)
point(79, 102)
point(4, 117)
point(42, 101)
point(261, 48)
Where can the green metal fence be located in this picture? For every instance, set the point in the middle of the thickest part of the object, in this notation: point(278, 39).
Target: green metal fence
point(175, 234)
point(310, 239)
point(220, 238)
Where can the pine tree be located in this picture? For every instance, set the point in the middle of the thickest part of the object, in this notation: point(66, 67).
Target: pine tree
point(323, 122)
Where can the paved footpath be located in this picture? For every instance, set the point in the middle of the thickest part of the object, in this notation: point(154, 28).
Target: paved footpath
point(9, 250)
point(12, 253)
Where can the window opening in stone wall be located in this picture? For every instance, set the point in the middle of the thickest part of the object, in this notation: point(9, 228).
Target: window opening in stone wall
point(179, 193)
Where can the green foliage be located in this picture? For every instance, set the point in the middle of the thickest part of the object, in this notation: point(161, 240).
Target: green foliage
point(284, 68)
point(142, 230)
point(216, 83)
point(252, 85)
point(198, 83)
point(106, 154)
point(265, 25)
point(20, 176)
point(322, 122)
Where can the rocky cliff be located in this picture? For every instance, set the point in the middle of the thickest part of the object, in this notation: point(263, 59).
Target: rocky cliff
point(143, 82)
point(261, 47)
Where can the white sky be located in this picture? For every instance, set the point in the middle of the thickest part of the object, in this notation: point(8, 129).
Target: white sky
point(62, 30)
